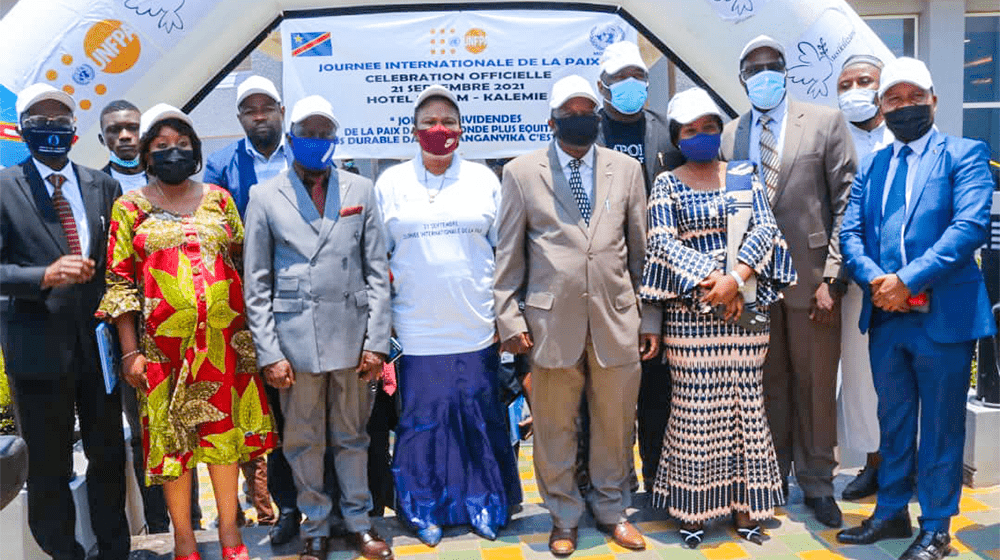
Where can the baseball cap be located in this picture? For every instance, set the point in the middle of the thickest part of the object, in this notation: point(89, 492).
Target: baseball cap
point(905, 69)
point(256, 84)
point(621, 55)
point(310, 106)
point(435, 90)
point(569, 87)
point(40, 92)
point(159, 112)
point(762, 41)
point(690, 104)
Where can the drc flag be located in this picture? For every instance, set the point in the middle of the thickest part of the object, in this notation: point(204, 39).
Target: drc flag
point(311, 44)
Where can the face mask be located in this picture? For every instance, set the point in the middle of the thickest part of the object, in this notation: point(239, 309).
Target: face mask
point(438, 140)
point(315, 154)
point(47, 141)
point(701, 147)
point(128, 163)
point(858, 104)
point(577, 130)
point(766, 89)
point(910, 123)
point(628, 95)
point(173, 166)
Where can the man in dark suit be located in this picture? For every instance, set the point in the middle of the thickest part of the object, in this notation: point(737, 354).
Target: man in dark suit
point(805, 156)
point(919, 209)
point(53, 236)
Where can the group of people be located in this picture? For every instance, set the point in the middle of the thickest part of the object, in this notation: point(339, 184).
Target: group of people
point(694, 279)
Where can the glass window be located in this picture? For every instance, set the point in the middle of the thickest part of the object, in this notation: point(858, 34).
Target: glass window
point(983, 124)
point(982, 58)
point(899, 33)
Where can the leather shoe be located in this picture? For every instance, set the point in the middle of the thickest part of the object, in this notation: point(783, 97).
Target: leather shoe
point(624, 534)
point(370, 545)
point(826, 511)
point(863, 485)
point(314, 547)
point(562, 542)
point(873, 530)
point(285, 528)
point(929, 545)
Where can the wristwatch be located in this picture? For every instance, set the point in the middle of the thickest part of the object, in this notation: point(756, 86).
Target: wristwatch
point(837, 286)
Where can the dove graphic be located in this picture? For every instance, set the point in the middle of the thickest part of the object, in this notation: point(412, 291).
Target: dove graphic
point(738, 7)
point(167, 10)
point(815, 69)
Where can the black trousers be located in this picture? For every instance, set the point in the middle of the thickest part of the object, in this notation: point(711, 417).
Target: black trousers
point(44, 411)
point(653, 412)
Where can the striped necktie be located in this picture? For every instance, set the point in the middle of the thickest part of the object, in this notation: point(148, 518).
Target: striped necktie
point(769, 156)
point(576, 185)
point(65, 213)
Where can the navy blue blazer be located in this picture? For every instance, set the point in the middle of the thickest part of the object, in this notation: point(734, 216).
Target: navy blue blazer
point(946, 220)
point(232, 168)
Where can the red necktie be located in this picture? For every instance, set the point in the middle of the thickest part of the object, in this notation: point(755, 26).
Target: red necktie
point(319, 193)
point(65, 213)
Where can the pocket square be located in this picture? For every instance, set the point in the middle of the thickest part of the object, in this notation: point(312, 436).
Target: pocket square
point(350, 211)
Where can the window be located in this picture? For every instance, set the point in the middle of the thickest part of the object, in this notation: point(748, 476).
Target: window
point(899, 33)
point(981, 107)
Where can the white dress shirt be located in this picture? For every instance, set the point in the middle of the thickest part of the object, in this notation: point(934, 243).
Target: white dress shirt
point(919, 147)
point(780, 116)
point(266, 168)
point(586, 170)
point(71, 192)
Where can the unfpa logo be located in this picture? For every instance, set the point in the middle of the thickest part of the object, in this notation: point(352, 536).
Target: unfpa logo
point(112, 45)
point(475, 40)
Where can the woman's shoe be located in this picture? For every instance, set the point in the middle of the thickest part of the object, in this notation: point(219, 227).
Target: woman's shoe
point(692, 538)
point(235, 553)
point(430, 535)
point(753, 534)
point(193, 556)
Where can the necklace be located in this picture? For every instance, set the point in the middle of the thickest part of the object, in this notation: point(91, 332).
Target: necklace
point(431, 195)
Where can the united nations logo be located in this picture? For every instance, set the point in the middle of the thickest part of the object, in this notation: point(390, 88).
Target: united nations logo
point(603, 35)
point(84, 74)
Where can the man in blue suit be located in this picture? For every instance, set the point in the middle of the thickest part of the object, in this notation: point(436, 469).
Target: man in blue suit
point(919, 209)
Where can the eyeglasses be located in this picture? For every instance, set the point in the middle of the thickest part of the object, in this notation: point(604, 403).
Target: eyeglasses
point(751, 71)
point(41, 121)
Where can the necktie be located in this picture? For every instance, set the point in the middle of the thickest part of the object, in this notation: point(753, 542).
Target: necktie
point(576, 185)
point(769, 156)
point(890, 253)
point(65, 213)
point(318, 193)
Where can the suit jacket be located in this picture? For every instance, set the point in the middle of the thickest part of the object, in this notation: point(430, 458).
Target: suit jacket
point(572, 278)
point(817, 166)
point(947, 219)
point(316, 288)
point(660, 153)
point(232, 168)
point(42, 328)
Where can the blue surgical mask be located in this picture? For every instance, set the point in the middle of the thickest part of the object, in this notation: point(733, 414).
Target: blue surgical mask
point(628, 95)
point(315, 154)
point(127, 163)
point(766, 89)
point(701, 147)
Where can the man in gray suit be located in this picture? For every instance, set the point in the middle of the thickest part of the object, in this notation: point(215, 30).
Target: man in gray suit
point(317, 295)
point(571, 246)
point(805, 157)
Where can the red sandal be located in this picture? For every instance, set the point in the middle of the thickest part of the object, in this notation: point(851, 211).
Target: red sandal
point(234, 553)
point(193, 556)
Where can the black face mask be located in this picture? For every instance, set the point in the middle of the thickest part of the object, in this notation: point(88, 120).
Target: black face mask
point(48, 141)
point(577, 130)
point(173, 166)
point(910, 123)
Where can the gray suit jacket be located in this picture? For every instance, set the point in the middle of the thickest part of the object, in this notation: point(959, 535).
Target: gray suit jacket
point(316, 288)
point(814, 183)
point(572, 278)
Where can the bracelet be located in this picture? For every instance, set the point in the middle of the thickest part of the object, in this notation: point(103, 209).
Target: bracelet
point(130, 354)
point(740, 282)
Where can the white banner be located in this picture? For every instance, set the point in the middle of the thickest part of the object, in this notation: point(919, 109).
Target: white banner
point(737, 10)
point(501, 65)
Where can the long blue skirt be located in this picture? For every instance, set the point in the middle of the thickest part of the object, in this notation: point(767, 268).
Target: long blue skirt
point(453, 462)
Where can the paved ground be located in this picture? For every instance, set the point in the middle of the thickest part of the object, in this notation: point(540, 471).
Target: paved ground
point(795, 535)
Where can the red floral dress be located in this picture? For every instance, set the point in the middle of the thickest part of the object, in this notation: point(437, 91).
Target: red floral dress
point(205, 401)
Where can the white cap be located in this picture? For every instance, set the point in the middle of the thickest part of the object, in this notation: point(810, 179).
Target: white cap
point(690, 104)
point(905, 69)
point(310, 106)
point(40, 92)
point(256, 84)
point(436, 90)
point(159, 112)
point(569, 87)
point(621, 55)
point(762, 41)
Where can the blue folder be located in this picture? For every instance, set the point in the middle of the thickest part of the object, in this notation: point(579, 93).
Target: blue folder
point(110, 355)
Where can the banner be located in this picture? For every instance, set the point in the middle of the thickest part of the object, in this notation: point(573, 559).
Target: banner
point(500, 64)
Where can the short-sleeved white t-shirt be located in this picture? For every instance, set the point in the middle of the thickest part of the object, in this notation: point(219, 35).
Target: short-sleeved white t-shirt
point(441, 254)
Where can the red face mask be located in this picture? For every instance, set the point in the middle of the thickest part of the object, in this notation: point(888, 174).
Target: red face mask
point(438, 140)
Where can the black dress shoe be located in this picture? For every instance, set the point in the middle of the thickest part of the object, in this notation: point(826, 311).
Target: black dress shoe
point(863, 485)
point(285, 528)
point(929, 545)
point(872, 530)
point(826, 511)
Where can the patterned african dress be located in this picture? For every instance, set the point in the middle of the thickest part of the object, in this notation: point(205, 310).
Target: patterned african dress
point(205, 402)
point(718, 455)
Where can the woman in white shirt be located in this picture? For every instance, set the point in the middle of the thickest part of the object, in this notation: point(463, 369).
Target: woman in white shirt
point(453, 463)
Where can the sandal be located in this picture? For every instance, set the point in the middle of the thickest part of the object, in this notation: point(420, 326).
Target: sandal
point(193, 556)
point(692, 538)
point(235, 552)
point(753, 534)
point(314, 548)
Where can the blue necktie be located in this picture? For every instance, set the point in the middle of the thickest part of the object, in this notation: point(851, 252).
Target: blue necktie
point(890, 238)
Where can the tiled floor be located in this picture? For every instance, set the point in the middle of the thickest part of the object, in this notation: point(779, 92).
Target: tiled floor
point(795, 535)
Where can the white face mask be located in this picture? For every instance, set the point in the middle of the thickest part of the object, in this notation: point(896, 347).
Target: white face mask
point(858, 105)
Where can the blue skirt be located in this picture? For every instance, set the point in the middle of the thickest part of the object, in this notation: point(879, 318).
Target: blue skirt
point(453, 463)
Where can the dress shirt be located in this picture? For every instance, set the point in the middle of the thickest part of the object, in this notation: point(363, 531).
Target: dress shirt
point(71, 192)
point(780, 116)
point(919, 147)
point(266, 168)
point(586, 170)
point(868, 142)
